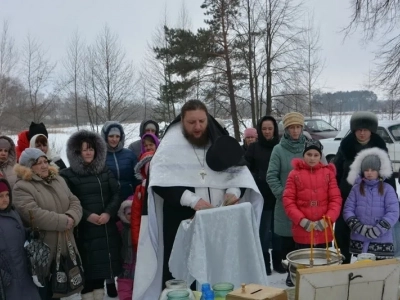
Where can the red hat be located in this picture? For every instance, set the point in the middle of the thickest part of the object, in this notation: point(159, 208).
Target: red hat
point(3, 187)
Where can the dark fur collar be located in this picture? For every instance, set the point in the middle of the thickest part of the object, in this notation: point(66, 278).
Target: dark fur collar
point(350, 146)
point(74, 153)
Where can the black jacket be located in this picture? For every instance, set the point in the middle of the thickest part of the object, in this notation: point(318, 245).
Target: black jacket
point(257, 156)
point(348, 150)
point(98, 192)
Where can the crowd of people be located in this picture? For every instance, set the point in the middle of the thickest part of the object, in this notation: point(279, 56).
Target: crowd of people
point(115, 211)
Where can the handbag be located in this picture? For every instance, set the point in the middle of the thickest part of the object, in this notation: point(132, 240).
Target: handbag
point(67, 271)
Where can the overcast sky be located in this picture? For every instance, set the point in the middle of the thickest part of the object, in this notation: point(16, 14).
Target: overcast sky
point(53, 22)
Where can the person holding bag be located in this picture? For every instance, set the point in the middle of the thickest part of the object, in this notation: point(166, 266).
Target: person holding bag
point(42, 195)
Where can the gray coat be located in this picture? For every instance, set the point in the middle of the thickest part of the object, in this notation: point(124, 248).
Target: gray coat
point(17, 282)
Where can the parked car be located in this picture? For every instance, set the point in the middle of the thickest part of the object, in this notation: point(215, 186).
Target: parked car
point(317, 129)
point(389, 131)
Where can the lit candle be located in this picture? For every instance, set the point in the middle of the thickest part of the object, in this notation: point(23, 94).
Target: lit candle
point(327, 242)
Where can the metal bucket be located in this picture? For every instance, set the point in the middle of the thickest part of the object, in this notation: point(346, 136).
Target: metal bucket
point(300, 259)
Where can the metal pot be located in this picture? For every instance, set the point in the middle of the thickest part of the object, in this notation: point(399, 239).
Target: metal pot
point(300, 259)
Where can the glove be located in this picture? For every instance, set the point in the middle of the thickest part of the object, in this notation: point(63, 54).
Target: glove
point(306, 224)
point(321, 225)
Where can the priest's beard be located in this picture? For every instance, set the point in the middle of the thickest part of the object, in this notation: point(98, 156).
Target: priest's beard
point(201, 141)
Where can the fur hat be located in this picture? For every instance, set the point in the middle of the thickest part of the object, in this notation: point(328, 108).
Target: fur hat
point(30, 156)
point(313, 144)
point(364, 120)
point(224, 153)
point(369, 156)
point(250, 132)
point(37, 128)
point(140, 172)
point(293, 118)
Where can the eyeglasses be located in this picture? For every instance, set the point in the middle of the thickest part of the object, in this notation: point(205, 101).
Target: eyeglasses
point(313, 143)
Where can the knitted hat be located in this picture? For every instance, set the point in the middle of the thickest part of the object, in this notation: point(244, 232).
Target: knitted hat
point(313, 144)
point(3, 187)
point(150, 126)
point(364, 120)
point(293, 118)
point(35, 129)
point(371, 162)
point(250, 132)
point(114, 131)
point(4, 144)
point(30, 156)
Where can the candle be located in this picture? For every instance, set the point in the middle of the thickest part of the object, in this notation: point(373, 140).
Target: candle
point(327, 242)
point(312, 244)
point(334, 240)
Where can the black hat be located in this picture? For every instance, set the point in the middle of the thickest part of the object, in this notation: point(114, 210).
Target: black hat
point(364, 120)
point(37, 128)
point(313, 144)
point(224, 153)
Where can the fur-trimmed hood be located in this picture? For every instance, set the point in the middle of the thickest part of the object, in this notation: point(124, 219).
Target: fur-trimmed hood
point(144, 159)
point(124, 204)
point(12, 158)
point(385, 170)
point(27, 174)
point(74, 153)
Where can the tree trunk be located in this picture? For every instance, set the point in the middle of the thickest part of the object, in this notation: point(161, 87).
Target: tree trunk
point(250, 66)
point(268, 48)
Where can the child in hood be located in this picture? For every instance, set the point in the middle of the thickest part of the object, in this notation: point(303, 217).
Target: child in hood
point(311, 194)
point(125, 280)
point(372, 208)
point(149, 143)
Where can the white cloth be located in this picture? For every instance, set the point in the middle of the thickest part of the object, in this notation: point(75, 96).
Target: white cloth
point(219, 245)
point(176, 164)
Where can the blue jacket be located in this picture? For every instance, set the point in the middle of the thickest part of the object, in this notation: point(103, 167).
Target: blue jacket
point(121, 162)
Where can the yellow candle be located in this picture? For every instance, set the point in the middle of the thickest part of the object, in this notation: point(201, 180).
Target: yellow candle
point(312, 244)
point(327, 242)
point(334, 240)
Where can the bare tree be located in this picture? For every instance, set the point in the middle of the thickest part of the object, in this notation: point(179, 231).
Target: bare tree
point(379, 21)
point(73, 65)
point(113, 77)
point(8, 60)
point(36, 70)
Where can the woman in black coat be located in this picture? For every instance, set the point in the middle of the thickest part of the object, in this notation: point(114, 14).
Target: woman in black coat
point(257, 156)
point(364, 126)
point(97, 235)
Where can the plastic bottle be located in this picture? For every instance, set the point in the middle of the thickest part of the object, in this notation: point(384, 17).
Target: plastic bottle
point(209, 295)
point(205, 287)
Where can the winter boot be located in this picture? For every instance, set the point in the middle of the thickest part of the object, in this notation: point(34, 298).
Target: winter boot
point(277, 262)
point(267, 261)
point(98, 294)
point(87, 296)
point(111, 290)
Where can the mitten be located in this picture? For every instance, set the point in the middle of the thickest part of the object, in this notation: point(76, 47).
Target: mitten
point(353, 223)
point(306, 224)
point(321, 225)
point(381, 228)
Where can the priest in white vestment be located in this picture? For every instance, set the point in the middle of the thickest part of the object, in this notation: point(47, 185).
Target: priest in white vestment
point(187, 173)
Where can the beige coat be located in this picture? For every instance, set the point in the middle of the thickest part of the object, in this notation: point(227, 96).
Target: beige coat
point(7, 169)
point(50, 204)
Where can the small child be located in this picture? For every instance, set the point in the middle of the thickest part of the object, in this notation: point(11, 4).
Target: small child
point(311, 193)
point(149, 143)
point(125, 280)
point(372, 208)
point(141, 171)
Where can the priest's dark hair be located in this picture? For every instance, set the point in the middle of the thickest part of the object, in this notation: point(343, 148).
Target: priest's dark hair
point(193, 105)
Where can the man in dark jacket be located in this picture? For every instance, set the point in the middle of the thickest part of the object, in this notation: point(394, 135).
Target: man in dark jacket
point(363, 126)
point(147, 126)
point(257, 157)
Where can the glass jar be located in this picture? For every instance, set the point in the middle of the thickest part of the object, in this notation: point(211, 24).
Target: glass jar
point(222, 289)
point(178, 295)
point(175, 284)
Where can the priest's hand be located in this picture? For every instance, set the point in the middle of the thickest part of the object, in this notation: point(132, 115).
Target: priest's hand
point(202, 204)
point(230, 199)
point(94, 219)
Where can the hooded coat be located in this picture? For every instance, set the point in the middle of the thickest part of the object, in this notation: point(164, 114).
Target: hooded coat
point(98, 192)
point(136, 146)
point(372, 208)
point(311, 193)
point(51, 204)
point(15, 279)
point(55, 160)
point(121, 161)
point(127, 252)
point(7, 168)
point(278, 170)
point(258, 156)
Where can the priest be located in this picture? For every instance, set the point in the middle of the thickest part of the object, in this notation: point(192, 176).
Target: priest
point(197, 166)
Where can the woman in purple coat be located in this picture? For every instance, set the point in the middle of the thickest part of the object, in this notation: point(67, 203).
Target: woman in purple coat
point(372, 208)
